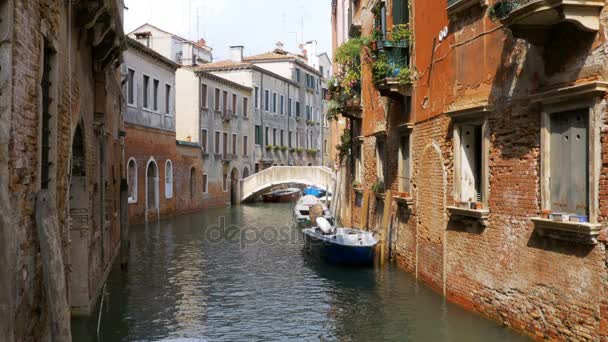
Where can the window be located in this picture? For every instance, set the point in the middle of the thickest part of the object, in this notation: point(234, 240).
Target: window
point(205, 184)
point(282, 105)
point(217, 100)
point(234, 144)
point(192, 182)
point(245, 142)
point(131, 87)
point(281, 138)
point(217, 142)
point(256, 100)
point(321, 69)
point(167, 99)
point(168, 179)
point(469, 162)
point(404, 164)
point(225, 145)
point(308, 113)
point(258, 135)
point(155, 97)
point(266, 136)
point(297, 109)
point(289, 107)
point(204, 96)
point(325, 146)
point(569, 162)
point(225, 182)
point(274, 103)
point(224, 102)
point(132, 180)
point(274, 136)
point(204, 140)
point(47, 87)
point(298, 75)
point(245, 107)
point(357, 153)
point(289, 139)
point(266, 100)
point(146, 91)
point(234, 98)
point(380, 160)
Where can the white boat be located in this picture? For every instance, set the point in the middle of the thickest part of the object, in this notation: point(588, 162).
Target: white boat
point(346, 246)
point(301, 211)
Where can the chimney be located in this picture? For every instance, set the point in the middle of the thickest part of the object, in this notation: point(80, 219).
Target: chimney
point(236, 53)
point(280, 46)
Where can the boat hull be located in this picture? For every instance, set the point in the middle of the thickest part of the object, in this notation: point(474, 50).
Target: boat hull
point(281, 198)
point(339, 254)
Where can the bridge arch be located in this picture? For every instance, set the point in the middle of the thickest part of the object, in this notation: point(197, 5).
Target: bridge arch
point(258, 183)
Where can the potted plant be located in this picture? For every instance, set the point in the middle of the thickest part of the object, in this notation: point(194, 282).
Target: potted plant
point(401, 33)
point(501, 9)
point(378, 187)
point(269, 147)
point(357, 187)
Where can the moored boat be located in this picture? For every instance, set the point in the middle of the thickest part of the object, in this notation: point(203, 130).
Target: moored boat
point(315, 191)
point(302, 208)
point(343, 246)
point(282, 195)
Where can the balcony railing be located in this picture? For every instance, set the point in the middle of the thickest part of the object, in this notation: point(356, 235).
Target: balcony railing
point(532, 20)
point(393, 77)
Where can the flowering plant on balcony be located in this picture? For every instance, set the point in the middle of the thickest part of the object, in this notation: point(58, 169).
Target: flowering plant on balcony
point(502, 8)
point(283, 148)
point(269, 147)
point(378, 187)
point(401, 33)
point(344, 147)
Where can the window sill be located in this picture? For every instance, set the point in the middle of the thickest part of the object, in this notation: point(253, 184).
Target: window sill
point(132, 201)
point(479, 214)
point(581, 232)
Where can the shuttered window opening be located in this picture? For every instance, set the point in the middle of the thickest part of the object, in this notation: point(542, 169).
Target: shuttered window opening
point(404, 183)
point(569, 164)
point(470, 163)
point(46, 117)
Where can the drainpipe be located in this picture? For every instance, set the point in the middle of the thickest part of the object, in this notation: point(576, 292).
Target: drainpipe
point(289, 158)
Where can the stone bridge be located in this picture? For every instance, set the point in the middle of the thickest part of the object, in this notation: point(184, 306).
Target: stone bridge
point(258, 183)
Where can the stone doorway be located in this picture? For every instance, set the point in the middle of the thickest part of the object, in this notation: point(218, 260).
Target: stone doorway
point(151, 188)
point(80, 224)
point(234, 187)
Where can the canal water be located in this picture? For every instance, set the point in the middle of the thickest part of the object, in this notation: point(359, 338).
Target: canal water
point(241, 274)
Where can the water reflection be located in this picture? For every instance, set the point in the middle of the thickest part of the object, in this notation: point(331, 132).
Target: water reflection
point(183, 284)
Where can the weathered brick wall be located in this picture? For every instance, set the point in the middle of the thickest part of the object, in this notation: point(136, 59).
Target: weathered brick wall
point(75, 91)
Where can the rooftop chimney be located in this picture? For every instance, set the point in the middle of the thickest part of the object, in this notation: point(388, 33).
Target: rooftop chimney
point(280, 46)
point(236, 53)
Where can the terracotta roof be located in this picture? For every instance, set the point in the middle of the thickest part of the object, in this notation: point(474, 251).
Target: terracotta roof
point(226, 64)
point(272, 55)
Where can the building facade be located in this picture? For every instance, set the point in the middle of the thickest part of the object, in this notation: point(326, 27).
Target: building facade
point(217, 114)
point(61, 165)
point(178, 49)
point(477, 154)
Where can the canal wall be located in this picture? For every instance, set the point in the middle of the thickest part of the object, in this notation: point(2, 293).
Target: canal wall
point(61, 123)
point(497, 257)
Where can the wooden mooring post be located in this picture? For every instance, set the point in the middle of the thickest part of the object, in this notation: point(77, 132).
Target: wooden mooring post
point(386, 214)
point(47, 225)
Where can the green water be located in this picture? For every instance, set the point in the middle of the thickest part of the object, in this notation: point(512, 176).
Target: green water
point(240, 274)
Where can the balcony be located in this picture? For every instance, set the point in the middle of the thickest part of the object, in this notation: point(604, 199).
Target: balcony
point(227, 115)
point(103, 19)
point(532, 20)
point(353, 109)
point(227, 158)
point(455, 6)
point(391, 70)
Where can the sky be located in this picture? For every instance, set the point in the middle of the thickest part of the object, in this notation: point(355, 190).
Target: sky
point(257, 25)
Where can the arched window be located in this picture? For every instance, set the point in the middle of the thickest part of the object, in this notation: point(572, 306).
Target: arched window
point(168, 179)
point(132, 180)
point(152, 185)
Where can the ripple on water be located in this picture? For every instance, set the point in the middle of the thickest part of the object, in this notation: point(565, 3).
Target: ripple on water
point(182, 287)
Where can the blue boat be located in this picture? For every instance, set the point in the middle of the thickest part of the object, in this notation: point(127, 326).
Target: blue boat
point(342, 246)
point(315, 191)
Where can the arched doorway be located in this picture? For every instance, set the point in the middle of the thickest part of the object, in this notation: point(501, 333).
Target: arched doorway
point(234, 187)
point(79, 224)
point(245, 172)
point(151, 185)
